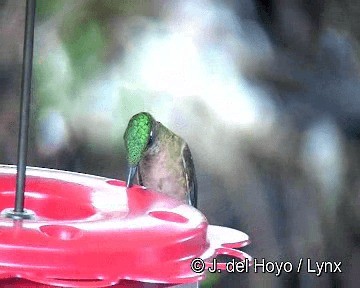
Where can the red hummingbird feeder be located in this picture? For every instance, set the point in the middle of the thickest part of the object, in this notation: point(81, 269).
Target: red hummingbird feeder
point(80, 230)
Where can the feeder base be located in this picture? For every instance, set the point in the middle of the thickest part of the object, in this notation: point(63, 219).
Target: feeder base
point(11, 213)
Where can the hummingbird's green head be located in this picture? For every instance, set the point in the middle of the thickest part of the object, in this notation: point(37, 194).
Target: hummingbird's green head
point(137, 137)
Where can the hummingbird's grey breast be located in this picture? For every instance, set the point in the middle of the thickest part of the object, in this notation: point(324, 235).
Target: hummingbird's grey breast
point(168, 167)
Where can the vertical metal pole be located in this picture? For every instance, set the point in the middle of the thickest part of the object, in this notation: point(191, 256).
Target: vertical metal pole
point(25, 105)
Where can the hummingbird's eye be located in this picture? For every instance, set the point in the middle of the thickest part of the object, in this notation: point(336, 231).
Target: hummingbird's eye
point(151, 140)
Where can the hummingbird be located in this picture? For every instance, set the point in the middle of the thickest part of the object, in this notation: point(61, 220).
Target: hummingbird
point(161, 159)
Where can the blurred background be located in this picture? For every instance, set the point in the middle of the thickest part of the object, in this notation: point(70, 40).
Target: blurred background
point(266, 93)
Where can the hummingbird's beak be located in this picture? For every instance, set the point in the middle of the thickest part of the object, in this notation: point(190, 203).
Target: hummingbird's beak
point(131, 175)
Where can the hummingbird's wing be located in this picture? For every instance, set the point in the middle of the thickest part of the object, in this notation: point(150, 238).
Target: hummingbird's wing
point(189, 172)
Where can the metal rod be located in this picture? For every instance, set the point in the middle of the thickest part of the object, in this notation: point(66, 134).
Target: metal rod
point(25, 105)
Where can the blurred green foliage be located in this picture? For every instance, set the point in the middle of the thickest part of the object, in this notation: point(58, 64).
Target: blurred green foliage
point(46, 8)
point(76, 46)
point(210, 280)
point(85, 45)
